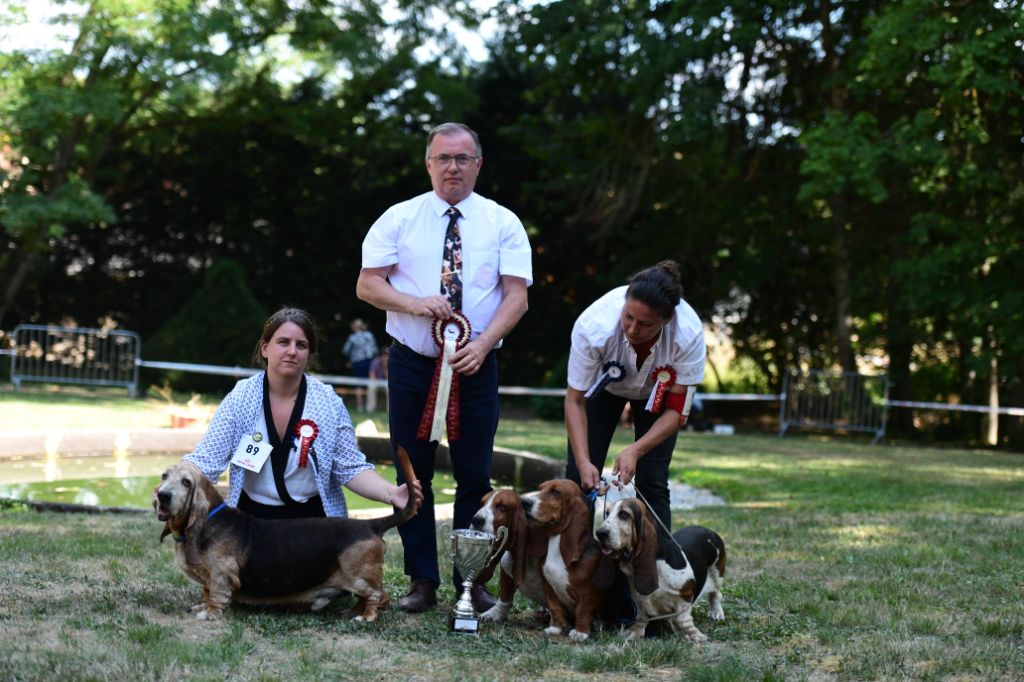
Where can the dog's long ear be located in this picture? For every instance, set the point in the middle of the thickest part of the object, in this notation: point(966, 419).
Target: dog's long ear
point(645, 550)
point(604, 574)
point(197, 513)
point(536, 542)
point(576, 535)
point(518, 536)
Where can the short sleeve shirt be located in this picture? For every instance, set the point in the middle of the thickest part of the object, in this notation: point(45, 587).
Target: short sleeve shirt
point(410, 237)
point(597, 338)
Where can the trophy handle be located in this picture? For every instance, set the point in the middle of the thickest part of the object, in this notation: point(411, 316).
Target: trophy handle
point(500, 538)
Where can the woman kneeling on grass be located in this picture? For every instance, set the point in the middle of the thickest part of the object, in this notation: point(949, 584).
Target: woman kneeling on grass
point(287, 438)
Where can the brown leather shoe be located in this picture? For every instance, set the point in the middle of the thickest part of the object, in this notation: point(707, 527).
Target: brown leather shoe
point(481, 598)
point(421, 597)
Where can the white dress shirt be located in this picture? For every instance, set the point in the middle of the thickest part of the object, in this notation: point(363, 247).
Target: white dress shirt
point(410, 237)
point(597, 337)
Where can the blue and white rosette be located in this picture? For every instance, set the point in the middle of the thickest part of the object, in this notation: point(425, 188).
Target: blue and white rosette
point(611, 372)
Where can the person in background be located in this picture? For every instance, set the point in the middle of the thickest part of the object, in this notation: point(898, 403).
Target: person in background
point(446, 251)
point(301, 434)
point(379, 373)
point(640, 344)
point(360, 348)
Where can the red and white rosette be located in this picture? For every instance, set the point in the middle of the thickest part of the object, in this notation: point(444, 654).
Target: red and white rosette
point(664, 377)
point(306, 430)
point(442, 408)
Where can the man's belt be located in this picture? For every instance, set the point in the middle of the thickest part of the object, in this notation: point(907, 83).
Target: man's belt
point(398, 344)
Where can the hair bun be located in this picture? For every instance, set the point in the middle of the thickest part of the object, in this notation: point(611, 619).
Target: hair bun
point(672, 269)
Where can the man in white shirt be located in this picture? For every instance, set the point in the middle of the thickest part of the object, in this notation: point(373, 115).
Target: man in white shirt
point(423, 262)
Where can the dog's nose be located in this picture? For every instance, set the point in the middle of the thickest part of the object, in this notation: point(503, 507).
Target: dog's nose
point(164, 497)
point(602, 533)
point(528, 503)
point(477, 523)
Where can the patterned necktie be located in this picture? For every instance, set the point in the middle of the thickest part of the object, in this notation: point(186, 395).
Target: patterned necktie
point(451, 261)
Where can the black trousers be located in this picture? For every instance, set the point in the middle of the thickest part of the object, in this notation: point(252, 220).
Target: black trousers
point(651, 478)
point(410, 376)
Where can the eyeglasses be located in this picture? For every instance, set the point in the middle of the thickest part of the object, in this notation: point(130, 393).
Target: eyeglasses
point(461, 160)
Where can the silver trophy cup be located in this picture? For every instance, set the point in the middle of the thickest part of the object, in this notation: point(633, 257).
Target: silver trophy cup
point(471, 551)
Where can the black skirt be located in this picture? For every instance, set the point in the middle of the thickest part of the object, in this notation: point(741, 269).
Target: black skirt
point(311, 508)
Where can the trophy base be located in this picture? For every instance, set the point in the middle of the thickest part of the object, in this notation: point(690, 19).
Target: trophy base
point(463, 625)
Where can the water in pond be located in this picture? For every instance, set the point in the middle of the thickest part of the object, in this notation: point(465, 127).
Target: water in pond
point(129, 481)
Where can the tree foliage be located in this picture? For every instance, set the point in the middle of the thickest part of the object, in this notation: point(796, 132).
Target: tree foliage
point(840, 180)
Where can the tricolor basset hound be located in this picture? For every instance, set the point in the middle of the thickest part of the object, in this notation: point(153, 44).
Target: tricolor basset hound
point(524, 552)
point(576, 574)
point(664, 581)
point(239, 557)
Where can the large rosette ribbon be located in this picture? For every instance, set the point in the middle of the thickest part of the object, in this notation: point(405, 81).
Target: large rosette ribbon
point(664, 377)
point(442, 408)
point(306, 430)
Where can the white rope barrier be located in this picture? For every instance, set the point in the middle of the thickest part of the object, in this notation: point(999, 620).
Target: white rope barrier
point(340, 380)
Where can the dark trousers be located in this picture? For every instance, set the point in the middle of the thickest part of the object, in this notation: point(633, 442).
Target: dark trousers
point(409, 378)
point(651, 478)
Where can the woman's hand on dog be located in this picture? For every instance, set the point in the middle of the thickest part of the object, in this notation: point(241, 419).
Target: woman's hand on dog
point(400, 495)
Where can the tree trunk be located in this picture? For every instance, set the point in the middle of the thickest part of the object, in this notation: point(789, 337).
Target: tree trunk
point(900, 346)
point(840, 252)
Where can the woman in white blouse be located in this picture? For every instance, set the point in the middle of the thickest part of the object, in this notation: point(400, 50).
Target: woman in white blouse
point(641, 344)
point(286, 437)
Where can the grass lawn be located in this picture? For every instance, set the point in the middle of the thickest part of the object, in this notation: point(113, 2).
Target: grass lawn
point(847, 562)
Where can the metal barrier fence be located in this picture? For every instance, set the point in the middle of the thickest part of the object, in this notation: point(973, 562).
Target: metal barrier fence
point(846, 401)
point(68, 355)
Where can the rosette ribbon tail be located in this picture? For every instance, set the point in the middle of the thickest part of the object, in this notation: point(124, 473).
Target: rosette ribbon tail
point(452, 414)
point(684, 414)
point(602, 381)
point(423, 433)
point(444, 391)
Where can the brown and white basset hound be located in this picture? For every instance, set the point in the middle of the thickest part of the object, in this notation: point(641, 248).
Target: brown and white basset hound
point(576, 574)
point(524, 553)
point(235, 556)
point(666, 578)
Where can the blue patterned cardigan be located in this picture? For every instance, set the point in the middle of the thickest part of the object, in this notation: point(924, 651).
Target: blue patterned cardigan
point(337, 459)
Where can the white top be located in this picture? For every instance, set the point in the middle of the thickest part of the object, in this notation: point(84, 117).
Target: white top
point(338, 459)
point(410, 236)
point(299, 481)
point(597, 337)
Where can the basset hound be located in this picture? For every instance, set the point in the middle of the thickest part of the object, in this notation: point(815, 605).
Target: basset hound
point(239, 557)
point(664, 581)
point(576, 574)
point(524, 552)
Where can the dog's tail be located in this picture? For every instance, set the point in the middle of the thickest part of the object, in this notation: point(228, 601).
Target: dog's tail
point(401, 515)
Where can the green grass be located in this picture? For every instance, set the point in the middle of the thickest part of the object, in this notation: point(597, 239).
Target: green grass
point(846, 562)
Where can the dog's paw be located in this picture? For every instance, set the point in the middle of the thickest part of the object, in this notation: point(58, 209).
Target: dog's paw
point(577, 636)
point(634, 633)
point(696, 636)
point(717, 613)
point(197, 608)
point(552, 630)
point(208, 615)
point(497, 613)
point(359, 619)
